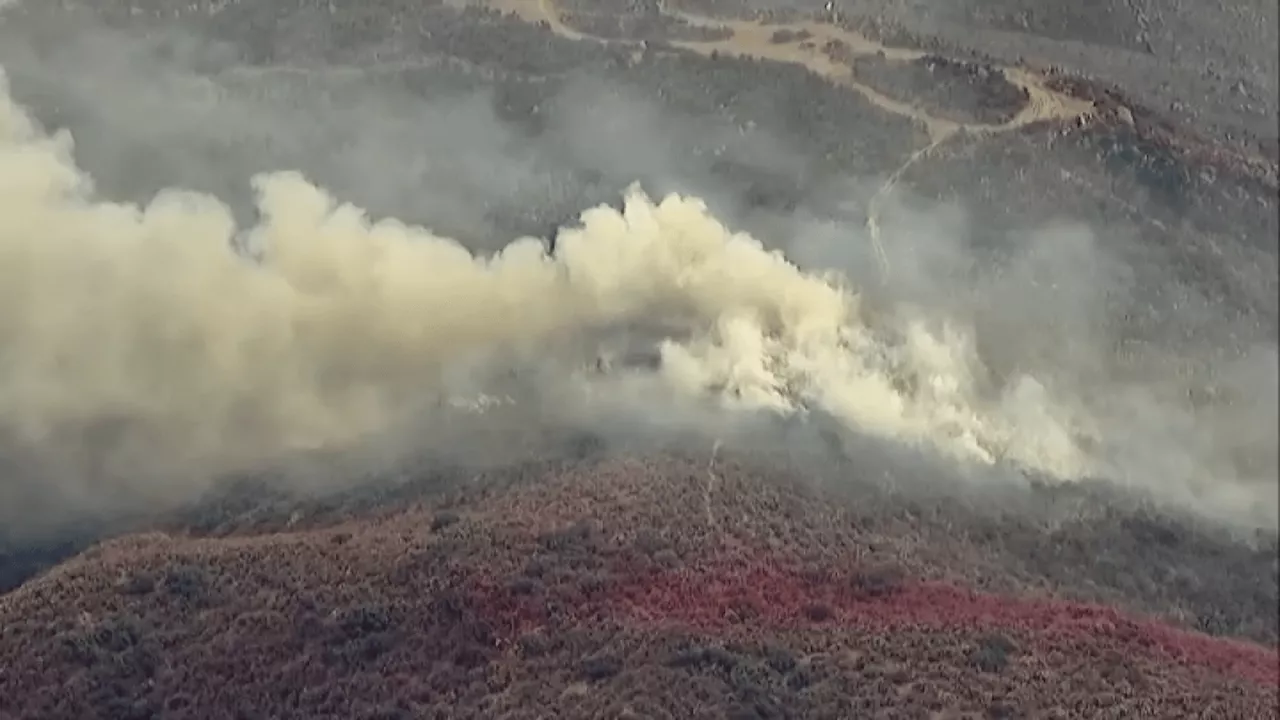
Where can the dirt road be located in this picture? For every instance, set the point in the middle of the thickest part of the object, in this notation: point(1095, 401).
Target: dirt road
point(754, 39)
point(806, 47)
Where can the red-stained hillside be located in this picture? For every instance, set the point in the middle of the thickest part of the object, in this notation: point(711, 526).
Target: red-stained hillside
point(622, 589)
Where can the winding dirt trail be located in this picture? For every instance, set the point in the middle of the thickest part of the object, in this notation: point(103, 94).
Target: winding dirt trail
point(754, 39)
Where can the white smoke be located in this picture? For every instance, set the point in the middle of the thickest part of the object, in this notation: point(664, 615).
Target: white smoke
point(145, 343)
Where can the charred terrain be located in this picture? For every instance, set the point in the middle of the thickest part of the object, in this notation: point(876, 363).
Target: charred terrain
point(792, 569)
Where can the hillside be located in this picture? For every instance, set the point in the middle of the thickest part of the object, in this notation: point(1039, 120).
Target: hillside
point(622, 588)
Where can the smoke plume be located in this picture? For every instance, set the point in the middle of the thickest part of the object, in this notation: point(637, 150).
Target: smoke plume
point(149, 347)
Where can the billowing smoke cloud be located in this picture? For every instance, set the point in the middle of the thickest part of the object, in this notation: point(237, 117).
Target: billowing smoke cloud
point(146, 349)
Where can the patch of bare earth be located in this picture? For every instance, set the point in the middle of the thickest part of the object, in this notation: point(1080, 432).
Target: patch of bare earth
point(675, 587)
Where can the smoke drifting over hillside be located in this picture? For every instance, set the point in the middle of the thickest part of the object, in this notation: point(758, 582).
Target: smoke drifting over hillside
point(150, 348)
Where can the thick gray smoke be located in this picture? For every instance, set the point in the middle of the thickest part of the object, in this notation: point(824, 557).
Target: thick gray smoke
point(199, 314)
